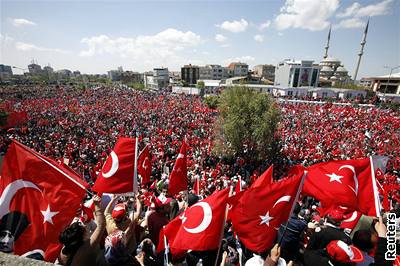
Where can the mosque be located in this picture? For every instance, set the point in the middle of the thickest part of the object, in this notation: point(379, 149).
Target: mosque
point(332, 71)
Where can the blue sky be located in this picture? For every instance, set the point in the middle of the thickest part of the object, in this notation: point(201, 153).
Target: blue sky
point(96, 36)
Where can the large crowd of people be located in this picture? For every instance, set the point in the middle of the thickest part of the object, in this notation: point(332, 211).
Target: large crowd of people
point(79, 127)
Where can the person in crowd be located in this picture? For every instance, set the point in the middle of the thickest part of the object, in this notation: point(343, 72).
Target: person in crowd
point(79, 248)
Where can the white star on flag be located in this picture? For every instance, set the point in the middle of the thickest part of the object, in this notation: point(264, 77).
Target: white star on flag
point(48, 215)
point(335, 177)
point(266, 219)
point(180, 155)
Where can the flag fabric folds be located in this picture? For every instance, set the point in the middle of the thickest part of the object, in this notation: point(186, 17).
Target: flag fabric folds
point(38, 199)
point(199, 227)
point(178, 177)
point(258, 212)
point(117, 173)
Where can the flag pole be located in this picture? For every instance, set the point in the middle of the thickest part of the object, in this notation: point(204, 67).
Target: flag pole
point(166, 249)
point(378, 207)
point(293, 205)
point(223, 225)
point(135, 187)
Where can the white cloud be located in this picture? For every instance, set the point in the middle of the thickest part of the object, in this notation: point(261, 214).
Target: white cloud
point(26, 47)
point(19, 22)
point(306, 14)
point(225, 45)
point(220, 38)
point(280, 34)
point(5, 38)
point(350, 23)
point(357, 10)
point(234, 26)
point(264, 25)
point(259, 38)
point(243, 59)
point(161, 48)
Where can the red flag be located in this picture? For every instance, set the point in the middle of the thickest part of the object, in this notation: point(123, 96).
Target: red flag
point(200, 226)
point(258, 212)
point(38, 199)
point(196, 186)
point(265, 179)
point(349, 183)
point(117, 173)
point(178, 177)
point(15, 119)
point(144, 165)
point(350, 220)
point(238, 186)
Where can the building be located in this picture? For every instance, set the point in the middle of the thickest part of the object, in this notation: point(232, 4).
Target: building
point(289, 92)
point(158, 79)
point(238, 69)
point(386, 84)
point(190, 74)
point(131, 77)
point(302, 73)
point(5, 71)
point(215, 72)
point(365, 82)
point(266, 72)
point(320, 93)
point(114, 75)
point(64, 73)
point(333, 72)
point(76, 73)
point(34, 68)
point(48, 69)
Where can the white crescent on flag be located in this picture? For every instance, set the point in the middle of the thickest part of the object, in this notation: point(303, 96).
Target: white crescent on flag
point(114, 165)
point(206, 219)
point(9, 192)
point(282, 199)
point(355, 189)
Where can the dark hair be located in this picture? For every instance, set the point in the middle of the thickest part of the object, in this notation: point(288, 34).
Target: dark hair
point(362, 240)
point(72, 238)
point(15, 222)
point(297, 209)
point(147, 248)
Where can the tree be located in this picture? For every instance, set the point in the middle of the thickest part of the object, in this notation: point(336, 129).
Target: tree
point(200, 85)
point(247, 124)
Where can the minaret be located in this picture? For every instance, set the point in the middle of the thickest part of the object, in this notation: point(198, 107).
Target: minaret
point(363, 42)
point(327, 43)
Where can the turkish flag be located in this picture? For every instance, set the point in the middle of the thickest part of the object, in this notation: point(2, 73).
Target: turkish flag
point(238, 186)
point(258, 212)
point(178, 177)
point(15, 119)
point(200, 226)
point(118, 170)
point(349, 183)
point(351, 219)
point(265, 179)
point(196, 186)
point(38, 199)
point(144, 165)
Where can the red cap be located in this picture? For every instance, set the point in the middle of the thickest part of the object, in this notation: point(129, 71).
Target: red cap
point(336, 214)
point(119, 211)
point(162, 200)
point(339, 251)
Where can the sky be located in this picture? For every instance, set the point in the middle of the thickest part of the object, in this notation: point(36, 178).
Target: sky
point(97, 36)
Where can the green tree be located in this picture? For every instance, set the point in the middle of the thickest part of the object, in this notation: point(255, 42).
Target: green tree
point(212, 101)
point(200, 85)
point(247, 124)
